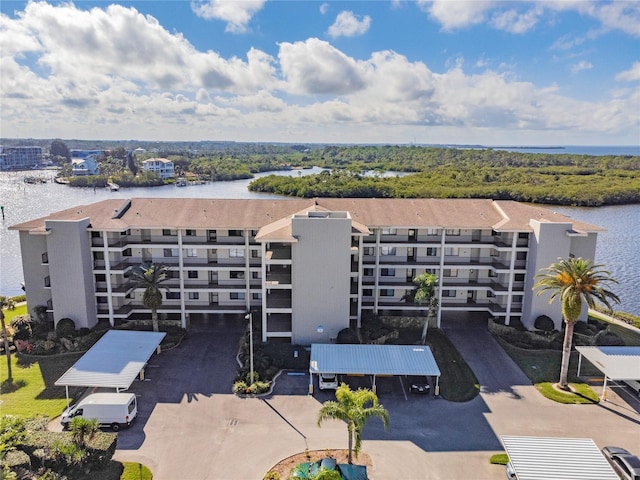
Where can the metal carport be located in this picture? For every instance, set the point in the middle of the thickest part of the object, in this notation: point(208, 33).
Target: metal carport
point(549, 458)
point(347, 359)
point(617, 363)
point(114, 361)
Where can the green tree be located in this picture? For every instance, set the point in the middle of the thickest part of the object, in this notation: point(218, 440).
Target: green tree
point(6, 303)
point(355, 408)
point(574, 282)
point(425, 293)
point(82, 429)
point(59, 149)
point(150, 277)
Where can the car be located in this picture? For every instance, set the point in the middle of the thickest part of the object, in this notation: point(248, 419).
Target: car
point(328, 381)
point(626, 465)
point(634, 385)
point(419, 386)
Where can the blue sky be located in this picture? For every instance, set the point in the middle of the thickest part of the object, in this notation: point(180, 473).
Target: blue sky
point(444, 71)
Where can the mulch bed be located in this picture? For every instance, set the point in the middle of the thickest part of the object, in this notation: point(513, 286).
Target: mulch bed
point(284, 467)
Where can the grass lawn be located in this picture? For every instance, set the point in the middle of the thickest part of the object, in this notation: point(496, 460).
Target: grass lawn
point(543, 369)
point(33, 391)
point(458, 383)
point(630, 337)
point(19, 310)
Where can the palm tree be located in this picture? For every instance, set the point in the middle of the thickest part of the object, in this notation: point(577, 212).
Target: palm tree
point(355, 408)
point(425, 293)
point(82, 429)
point(149, 277)
point(8, 304)
point(574, 281)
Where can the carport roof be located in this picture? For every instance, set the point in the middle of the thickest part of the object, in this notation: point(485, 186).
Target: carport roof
point(617, 363)
point(545, 458)
point(114, 361)
point(373, 359)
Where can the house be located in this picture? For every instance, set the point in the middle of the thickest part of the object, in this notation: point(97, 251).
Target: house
point(84, 166)
point(20, 158)
point(160, 166)
point(307, 267)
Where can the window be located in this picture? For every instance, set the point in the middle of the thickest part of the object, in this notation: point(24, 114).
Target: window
point(192, 252)
point(518, 277)
point(387, 250)
point(235, 233)
point(448, 293)
point(236, 252)
point(432, 231)
point(47, 281)
point(124, 233)
point(171, 252)
point(126, 252)
point(389, 231)
point(173, 274)
point(211, 235)
point(367, 272)
point(432, 252)
point(236, 295)
point(452, 231)
point(451, 252)
point(96, 234)
point(168, 232)
point(255, 253)
point(369, 251)
point(450, 272)
point(98, 255)
point(255, 275)
point(102, 300)
point(388, 272)
point(516, 299)
point(194, 295)
point(492, 274)
point(521, 255)
point(367, 292)
point(523, 235)
point(190, 233)
point(254, 233)
point(387, 292)
point(45, 257)
point(192, 274)
point(173, 295)
point(236, 274)
point(256, 296)
point(101, 277)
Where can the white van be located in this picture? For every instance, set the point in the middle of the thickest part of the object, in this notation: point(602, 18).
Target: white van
point(111, 409)
point(328, 381)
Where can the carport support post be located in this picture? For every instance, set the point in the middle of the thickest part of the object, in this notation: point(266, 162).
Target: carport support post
point(310, 383)
point(604, 390)
point(437, 392)
point(66, 392)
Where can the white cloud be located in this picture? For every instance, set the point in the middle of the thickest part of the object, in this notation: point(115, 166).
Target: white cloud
point(237, 14)
point(514, 22)
point(631, 75)
point(455, 14)
point(315, 67)
point(581, 65)
point(324, 8)
point(347, 24)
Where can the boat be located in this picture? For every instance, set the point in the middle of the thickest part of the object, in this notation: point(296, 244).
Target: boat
point(34, 180)
point(114, 187)
point(181, 182)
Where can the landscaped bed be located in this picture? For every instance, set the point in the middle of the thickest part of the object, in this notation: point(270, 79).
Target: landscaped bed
point(284, 468)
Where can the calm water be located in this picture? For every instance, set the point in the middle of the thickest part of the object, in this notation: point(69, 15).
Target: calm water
point(618, 248)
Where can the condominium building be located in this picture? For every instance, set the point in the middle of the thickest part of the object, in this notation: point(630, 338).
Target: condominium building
point(306, 268)
point(20, 158)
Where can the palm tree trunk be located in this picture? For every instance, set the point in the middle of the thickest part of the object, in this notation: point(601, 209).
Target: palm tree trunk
point(7, 352)
point(566, 355)
point(154, 320)
point(350, 429)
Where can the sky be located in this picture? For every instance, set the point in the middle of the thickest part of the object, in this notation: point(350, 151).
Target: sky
point(399, 72)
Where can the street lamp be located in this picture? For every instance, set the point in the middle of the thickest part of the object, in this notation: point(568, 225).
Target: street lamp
point(249, 316)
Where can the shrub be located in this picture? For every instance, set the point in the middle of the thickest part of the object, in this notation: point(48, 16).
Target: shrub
point(544, 323)
point(17, 459)
point(608, 339)
point(272, 475)
point(347, 336)
point(240, 387)
point(65, 328)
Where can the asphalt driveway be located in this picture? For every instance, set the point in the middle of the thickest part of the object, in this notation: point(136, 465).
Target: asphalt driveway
point(191, 426)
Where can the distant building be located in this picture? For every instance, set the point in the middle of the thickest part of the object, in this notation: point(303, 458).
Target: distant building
point(139, 151)
point(307, 268)
point(160, 166)
point(20, 158)
point(84, 166)
point(76, 153)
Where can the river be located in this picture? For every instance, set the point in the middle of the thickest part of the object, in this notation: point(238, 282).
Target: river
point(618, 248)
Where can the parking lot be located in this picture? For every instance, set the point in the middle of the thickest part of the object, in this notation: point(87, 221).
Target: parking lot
point(191, 426)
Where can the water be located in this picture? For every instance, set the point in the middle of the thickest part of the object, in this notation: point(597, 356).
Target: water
point(576, 150)
point(618, 248)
